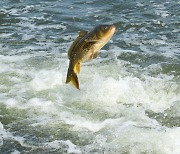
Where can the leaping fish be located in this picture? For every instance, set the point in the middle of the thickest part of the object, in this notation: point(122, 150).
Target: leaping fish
point(86, 47)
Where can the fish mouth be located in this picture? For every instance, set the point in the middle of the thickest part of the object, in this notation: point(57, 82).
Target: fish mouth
point(113, 28)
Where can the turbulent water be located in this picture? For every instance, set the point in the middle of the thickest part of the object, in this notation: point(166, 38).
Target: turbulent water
point(129, 102)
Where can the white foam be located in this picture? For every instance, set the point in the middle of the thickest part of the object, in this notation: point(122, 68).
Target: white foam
point(2, 133)
point(81, 123)
point(27, 37)
point(14, 11)
point(129, 139)
point(154, 93)
point(7, 59)
point(107, 86)
point(40, 105)
point(5, 35)
point(52, 27)
point(10, 103)
point(133, 116)
point(46, 79)
point(160, 10)
point(109, 113)
point(72, 148)
point(15, 152)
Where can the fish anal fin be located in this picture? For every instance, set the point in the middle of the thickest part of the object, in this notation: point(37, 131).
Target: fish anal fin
point(78, 67)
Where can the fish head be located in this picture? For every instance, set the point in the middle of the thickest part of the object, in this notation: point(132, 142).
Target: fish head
point(105, 32)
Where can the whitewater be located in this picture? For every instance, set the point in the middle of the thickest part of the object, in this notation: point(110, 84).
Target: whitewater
point(129, 100)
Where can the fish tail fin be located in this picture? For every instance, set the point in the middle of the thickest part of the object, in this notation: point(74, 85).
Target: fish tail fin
point(72, 77)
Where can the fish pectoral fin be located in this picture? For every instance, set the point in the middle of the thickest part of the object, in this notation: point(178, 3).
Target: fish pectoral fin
point(78, 67)
point(93, 55)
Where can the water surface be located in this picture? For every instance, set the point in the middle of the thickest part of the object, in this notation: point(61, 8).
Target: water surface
point(129, 100)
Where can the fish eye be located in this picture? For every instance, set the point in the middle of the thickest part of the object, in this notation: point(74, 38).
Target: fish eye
point(105, 28)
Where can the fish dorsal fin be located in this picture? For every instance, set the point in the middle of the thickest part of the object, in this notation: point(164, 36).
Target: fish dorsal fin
point(81, 35)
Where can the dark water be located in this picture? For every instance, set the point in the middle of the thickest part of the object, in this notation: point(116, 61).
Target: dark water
point(129, 100)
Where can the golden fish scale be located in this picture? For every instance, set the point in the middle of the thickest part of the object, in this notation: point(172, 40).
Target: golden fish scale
point(82, 51)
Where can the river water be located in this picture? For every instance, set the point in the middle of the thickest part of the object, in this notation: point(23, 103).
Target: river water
point(129, 102)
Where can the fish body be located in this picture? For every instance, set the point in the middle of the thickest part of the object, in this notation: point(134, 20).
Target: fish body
point(86, 47)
